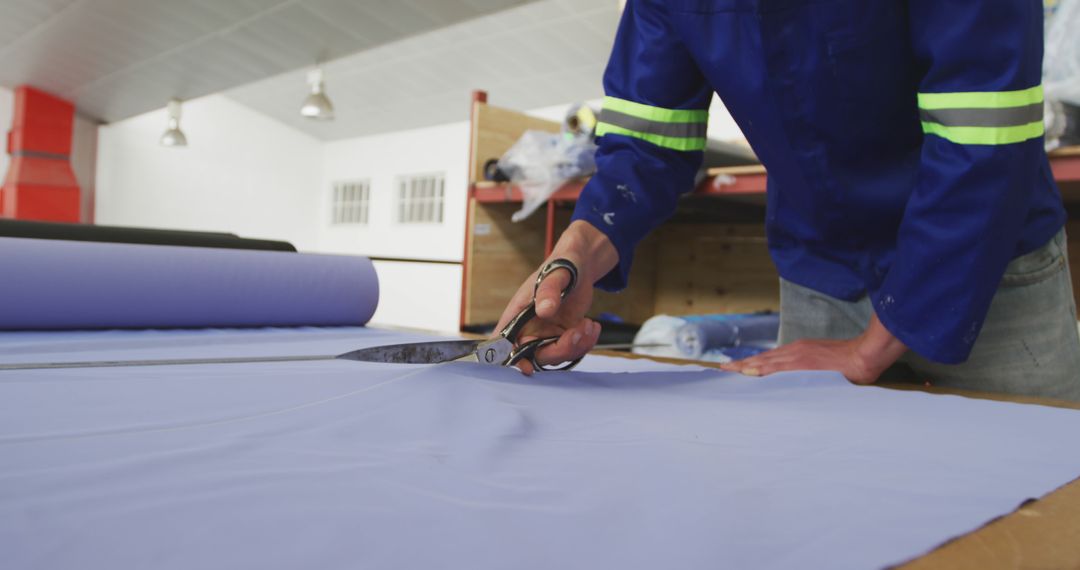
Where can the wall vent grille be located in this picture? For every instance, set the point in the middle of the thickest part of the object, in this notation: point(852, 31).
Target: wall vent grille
point(421, 199)
point(351, 202)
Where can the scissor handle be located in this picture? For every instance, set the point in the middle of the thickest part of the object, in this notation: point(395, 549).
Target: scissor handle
point(528, 351)
point(549, 268)
point(513, 329)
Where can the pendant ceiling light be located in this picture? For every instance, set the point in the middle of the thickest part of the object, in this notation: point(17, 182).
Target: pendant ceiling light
point(173, 136)
point(317, 105)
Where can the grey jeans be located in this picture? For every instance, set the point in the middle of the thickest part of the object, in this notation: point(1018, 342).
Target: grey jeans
point(1028, 344)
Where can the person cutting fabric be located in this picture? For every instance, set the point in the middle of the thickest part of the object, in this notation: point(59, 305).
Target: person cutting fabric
point(911, 211)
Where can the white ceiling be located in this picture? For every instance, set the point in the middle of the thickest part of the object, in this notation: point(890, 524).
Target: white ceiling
point(119, 58)
point(535, 55)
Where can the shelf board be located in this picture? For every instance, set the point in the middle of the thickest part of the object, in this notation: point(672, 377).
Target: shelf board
point(1065, 162)
point(747, 180)
point(737, 181)
point(498, 193)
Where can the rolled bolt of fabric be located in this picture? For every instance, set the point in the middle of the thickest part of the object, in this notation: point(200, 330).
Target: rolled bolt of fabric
point(53, 285)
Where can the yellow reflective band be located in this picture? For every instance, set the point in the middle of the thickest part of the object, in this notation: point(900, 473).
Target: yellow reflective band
point(983, 118)
point(985, 135)
point(658, 114)
point(673, 143)
point(981, 100)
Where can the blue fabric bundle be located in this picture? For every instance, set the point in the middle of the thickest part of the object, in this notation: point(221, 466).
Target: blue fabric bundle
point(714, 338)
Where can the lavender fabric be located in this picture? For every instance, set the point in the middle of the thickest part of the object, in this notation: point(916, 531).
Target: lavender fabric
point(622, 464)
point(49, 284)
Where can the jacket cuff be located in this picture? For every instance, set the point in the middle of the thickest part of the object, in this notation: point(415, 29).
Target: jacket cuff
point(926, 346)
point(618, 278)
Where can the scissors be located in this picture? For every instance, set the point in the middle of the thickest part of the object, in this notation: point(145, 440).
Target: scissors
point(503, 350)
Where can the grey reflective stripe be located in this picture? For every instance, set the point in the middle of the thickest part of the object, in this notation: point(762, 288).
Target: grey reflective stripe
point(684, 130)
point(994, 117)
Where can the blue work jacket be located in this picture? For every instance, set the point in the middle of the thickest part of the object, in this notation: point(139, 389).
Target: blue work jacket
point(903, 142)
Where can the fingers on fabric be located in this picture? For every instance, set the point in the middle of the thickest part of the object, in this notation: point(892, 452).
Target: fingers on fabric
point(776, 360)
point(807, 355)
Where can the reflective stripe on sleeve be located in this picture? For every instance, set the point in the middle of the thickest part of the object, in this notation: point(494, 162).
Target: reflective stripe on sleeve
point(985, 118)
point(676, 129)
point(981, 100)
point(1007, 117)
point(657, 128)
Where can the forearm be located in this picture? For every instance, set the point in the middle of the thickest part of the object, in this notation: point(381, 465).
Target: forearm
point(589, 249)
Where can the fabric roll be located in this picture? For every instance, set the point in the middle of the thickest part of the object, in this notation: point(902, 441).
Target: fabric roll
point(710, 338)
point(703, 333)
point(54, 285)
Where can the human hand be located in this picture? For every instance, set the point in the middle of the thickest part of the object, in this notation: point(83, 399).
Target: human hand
point(861, 359)
point(593, 255)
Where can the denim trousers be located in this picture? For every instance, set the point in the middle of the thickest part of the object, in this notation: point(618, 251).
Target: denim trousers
point(1028, 344)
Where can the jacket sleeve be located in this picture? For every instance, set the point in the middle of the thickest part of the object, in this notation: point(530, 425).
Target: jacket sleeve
point(980, 103)
point(651, 133)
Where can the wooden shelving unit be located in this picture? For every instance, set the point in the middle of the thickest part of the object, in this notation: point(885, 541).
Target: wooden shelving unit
point(711, 257)
point(748, 180)
point(1065, 162)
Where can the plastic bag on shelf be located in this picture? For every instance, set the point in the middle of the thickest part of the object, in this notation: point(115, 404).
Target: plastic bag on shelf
point(1061, 60)
point(540, 162)
point(1061, 73)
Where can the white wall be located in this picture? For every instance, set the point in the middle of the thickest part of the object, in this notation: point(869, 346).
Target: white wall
point(424, 296)
point(242, 172)
point(721, 125)
point(7, 115)
point(417, 295)
point(382, 159)
point(84, 138)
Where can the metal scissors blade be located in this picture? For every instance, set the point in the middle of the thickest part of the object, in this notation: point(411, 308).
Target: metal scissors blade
point(416, 352)
point(499, 351)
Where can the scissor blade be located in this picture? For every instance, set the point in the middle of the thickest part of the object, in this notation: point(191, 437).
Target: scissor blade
point(415, 353)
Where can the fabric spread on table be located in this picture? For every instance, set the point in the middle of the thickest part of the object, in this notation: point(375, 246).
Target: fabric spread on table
point(620, 464)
